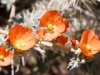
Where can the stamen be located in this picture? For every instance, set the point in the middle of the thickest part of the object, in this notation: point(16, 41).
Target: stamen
point(50, 27)
point(20, 43)
point(87, 47)
point(1, 56)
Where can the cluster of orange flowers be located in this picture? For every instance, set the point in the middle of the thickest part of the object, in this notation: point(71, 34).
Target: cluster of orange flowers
point(53, 27)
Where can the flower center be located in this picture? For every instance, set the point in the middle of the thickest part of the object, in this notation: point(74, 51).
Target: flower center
point(20, 43)
point(1, 56)
point(87, 48)
point(50, 27)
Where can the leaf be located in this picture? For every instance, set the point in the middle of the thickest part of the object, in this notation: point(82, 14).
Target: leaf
point(72, 64)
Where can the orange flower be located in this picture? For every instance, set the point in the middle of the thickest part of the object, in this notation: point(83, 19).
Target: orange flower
point(5, 57)
point(52, 24)
point(89, 43)
point(21, 37)
point(62, 39)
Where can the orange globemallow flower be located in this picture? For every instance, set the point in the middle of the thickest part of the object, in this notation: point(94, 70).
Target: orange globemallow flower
point(52, 24)
point(5, 57)
point(89, 43)
point(21, 37)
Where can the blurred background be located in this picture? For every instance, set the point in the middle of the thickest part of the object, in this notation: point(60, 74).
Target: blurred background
point(82, 14)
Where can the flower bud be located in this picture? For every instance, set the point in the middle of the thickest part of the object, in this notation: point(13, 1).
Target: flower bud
point(74, 42)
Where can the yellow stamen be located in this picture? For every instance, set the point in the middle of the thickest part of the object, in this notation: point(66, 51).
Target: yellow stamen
point(50, 27)
point(20, 43)
point(87, 47)
point(1, 56)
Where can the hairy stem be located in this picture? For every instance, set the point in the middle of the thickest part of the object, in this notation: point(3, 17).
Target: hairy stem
point(49, 44)
point(3, 32)
point(12, 13)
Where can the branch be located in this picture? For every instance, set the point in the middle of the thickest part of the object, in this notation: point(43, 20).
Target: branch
point(49, 44)
point(12, 13)
point(3, 32)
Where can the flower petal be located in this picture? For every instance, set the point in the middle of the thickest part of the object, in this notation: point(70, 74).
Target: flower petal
point(62, 25)
point(51, 36)
point(27, 35)
point(45, 35)
point(95, 46)
point(96, 37)
point(3, 49)
point(87, 36)
point(50, 16)
point(29, 44)
point(12, 33)
point(7, 59)
point(41, 33)
point(67, 24)
point(86, 53)
point(62, 39)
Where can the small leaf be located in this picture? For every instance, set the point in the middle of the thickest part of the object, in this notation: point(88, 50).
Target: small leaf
point(72, 64)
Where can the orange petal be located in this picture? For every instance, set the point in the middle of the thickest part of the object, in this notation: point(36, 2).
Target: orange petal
point(95, 46)
point(11, 35)
point(23, 32)
point(62, 39)
point(17, 31)
point(41, 33)
point(29, 44)
point(67, 24)
point(7, 59)
point(96, 37)
point(59, 26)
point(29, 34)
point(51, 36)
point(50, 16)
point(87, 36)
point(3, 49)
point(62, 25)
point(20, 31)
point(13, 32)
point(86, 53)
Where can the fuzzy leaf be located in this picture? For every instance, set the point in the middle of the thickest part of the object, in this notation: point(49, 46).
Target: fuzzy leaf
point(72, 64)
